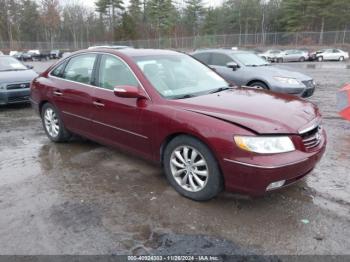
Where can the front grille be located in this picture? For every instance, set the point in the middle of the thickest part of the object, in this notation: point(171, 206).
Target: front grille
point(18, 99)
point(312, 138)
point(18, 86)
point(308, 92)
point(309, 83)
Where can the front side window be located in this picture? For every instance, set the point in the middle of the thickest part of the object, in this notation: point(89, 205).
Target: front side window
point(179, 76)
point(113, 72)
point(220, 59)
point(80, 68)
point(250, 59)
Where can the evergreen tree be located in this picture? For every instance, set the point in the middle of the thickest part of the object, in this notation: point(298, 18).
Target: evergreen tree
point(193, 15)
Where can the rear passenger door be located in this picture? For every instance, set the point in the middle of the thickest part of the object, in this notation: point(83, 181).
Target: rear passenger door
point(73, 90)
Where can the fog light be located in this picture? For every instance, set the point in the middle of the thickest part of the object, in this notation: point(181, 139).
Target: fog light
point(275, 185)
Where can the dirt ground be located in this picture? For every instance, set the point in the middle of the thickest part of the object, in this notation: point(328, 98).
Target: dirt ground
point(84, 198)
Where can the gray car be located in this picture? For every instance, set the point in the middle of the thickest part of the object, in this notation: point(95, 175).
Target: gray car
point(247, 69)
point(15, 80)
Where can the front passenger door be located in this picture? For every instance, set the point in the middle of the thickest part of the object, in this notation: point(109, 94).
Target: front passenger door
point(123, 122)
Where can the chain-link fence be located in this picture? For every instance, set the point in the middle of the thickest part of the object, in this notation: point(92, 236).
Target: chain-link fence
point(259, 40)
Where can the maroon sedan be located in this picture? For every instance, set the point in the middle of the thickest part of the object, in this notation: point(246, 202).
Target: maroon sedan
point(169, 108)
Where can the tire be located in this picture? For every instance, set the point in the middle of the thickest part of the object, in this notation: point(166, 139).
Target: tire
point(302, 59)
point(259, 85)
point(51, 118)
point(320, 58)
point(280, 60)
point(341, 59)
point(185, 182)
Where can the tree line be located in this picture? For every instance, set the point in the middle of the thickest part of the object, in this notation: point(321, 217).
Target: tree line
point(113, 20)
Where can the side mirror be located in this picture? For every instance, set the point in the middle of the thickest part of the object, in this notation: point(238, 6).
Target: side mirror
point(29, 66)
point(232, 65)
point(129, 92)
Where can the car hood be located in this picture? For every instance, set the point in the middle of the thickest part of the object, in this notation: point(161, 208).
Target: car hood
point(258, 110)
point(17, 76)
point(271, 71)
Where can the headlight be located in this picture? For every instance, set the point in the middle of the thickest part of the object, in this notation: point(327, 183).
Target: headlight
point(266, 144)
point(287, 80)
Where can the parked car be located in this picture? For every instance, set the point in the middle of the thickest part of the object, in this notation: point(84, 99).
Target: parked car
point(13, 53)
point(330, 54)
point(15, 79)
point(56, 54)
point(173, 110)
point(272, 55)
point(294, 55)
point(37, 55)
point(23, 56)
point(247, 69)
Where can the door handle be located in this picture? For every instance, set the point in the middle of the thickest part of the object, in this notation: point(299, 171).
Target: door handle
point(57, 93)
point(98, 104)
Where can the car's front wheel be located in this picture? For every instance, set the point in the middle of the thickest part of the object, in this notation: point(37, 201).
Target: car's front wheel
point(320, 59)
point(259, 85)
point(191, 168)
point(341, 58)
point(53, 125)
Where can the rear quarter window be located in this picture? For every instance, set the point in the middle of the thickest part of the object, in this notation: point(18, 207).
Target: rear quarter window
point(203, 57)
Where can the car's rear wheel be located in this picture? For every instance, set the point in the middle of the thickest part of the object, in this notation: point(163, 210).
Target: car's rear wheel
point(302, 59)
point(259, 85)
point(53, 125)
point(191, 168)
point(341, 58)
point(279, 60)
point(320, 59)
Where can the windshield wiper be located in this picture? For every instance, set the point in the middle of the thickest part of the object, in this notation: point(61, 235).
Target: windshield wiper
point(184, 96)
point(258, 65)
point(7, 70)
point(220, 89)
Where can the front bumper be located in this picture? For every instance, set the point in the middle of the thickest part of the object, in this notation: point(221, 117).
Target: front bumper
point(306, 90)
point(253, 176)
point(14, 96)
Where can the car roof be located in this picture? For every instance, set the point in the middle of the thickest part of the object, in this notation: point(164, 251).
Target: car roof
point(224, 51)
point(136, 52)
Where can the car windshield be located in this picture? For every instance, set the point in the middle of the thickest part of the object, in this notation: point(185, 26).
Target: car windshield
point(250, 59)
point(11, 64)
point(180, 76)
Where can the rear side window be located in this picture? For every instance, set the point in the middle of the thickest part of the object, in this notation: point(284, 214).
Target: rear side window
point(80, 68)
point(203, 57)
point(113, 72)
point(58, 70)
point(220, 59)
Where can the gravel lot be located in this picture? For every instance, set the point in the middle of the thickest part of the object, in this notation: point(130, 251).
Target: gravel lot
point(84, 198)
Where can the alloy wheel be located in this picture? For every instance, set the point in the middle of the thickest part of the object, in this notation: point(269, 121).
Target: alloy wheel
point(51, 122)
point(189, 168)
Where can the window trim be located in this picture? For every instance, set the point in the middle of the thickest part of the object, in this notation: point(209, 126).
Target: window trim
point(89, 85)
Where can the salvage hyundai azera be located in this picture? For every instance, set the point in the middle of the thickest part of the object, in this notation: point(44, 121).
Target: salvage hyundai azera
point(170, 108)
